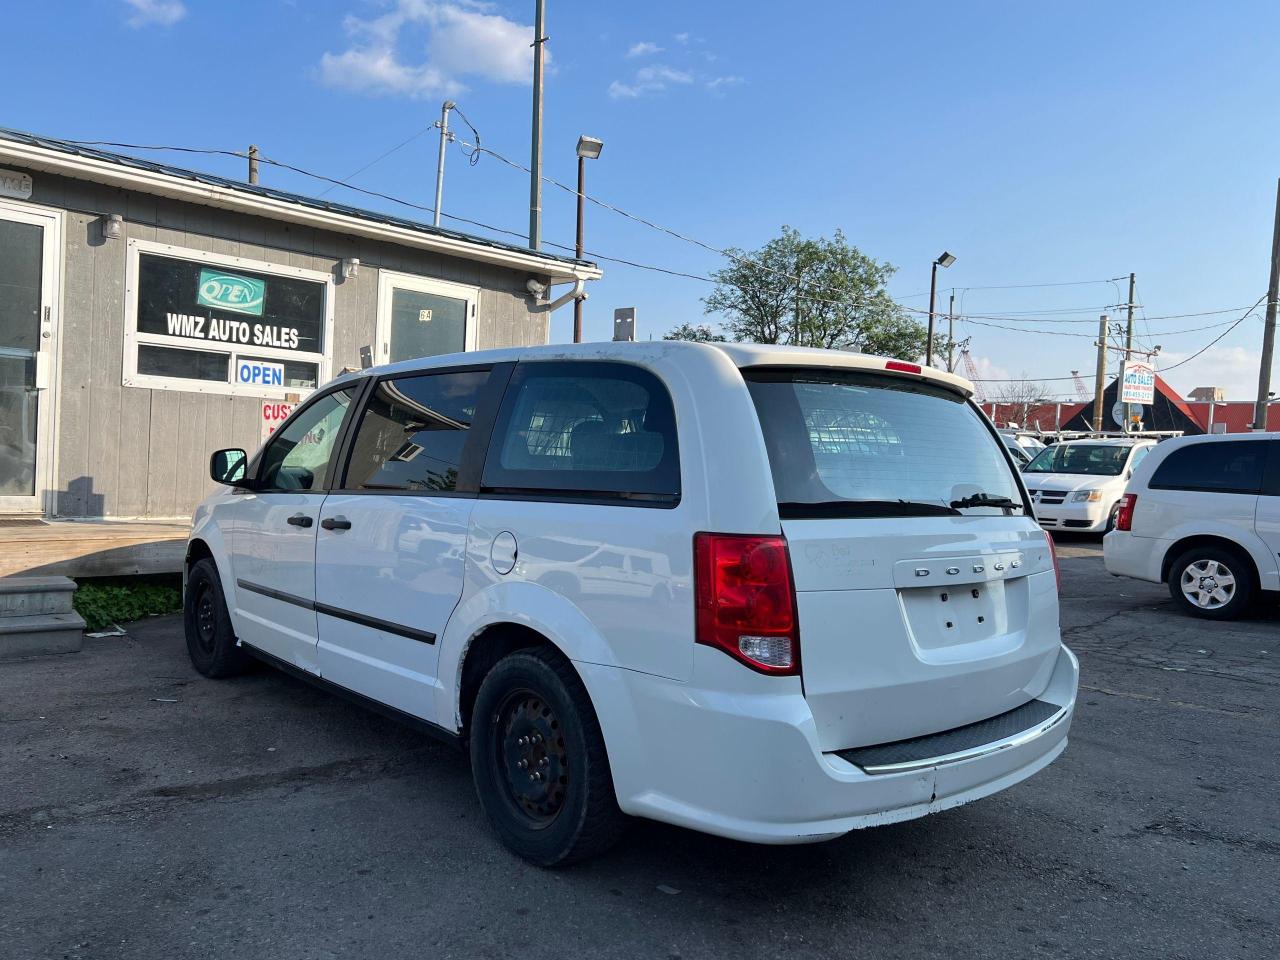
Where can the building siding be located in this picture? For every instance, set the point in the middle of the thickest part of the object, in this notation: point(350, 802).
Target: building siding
point(136, 452)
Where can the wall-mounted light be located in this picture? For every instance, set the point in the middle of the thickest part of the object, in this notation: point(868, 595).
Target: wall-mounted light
point(350, 268)
point(112, 226)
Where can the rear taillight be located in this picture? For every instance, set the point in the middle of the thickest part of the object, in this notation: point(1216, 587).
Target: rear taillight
point(1124, 517)
point(746, 601)
point(1053, 555)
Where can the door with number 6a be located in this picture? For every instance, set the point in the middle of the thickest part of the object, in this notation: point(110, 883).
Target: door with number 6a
point(421, 317)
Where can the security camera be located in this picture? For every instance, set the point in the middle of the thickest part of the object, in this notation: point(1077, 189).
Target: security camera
point(536, 288)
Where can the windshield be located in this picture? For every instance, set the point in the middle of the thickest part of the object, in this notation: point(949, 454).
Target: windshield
point(856, 444)
point(1095, 459)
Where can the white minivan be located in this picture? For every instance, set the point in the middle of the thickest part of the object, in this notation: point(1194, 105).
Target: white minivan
point(773, 594)
point(1077, 484)
point(1202, 514)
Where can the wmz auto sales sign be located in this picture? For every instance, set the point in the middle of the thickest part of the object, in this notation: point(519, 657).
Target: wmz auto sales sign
point(193, 301)
point(1138, 383)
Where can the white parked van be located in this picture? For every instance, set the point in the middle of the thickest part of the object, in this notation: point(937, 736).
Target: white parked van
point(773, 594)
point(1202, 514)
point(1077, 485)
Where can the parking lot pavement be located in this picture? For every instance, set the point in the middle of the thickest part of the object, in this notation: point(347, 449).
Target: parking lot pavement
point(147, 812)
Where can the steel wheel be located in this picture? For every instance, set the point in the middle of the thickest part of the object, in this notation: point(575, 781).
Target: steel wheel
point(1208, 584)
point(206, 618)
point(531, 755)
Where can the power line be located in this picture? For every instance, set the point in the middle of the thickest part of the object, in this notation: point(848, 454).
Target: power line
point(1215, 339)
point(351, 176)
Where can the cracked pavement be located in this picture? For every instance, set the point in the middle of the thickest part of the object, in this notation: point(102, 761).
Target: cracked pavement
point(261, 818)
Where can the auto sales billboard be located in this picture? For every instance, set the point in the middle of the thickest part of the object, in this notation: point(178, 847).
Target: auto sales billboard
point(1138, 383)
point(194, 301)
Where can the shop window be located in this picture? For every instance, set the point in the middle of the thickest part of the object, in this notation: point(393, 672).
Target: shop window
point(213, 324)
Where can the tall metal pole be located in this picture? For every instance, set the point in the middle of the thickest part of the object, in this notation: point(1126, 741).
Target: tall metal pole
point(1100, 379)
point(1128, 340)
point(951, 334)
point(253, 163)
point(578, 249)
point(535, 159)
point(933, 296)
point(444, 140)
point(1269, 331)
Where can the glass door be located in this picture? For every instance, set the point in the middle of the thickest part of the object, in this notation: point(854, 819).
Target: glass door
point(28, 293)
point(418, 317)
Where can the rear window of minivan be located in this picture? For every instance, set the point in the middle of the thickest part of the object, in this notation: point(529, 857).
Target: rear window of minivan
point(858, 444)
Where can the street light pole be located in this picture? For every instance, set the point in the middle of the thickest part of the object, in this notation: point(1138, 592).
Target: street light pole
point(444, 140)
point(588, 149)
point(945, 260)
point(535, 159)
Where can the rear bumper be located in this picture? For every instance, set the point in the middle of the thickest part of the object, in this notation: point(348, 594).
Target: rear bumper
point(747, 765)
point(1139, 557)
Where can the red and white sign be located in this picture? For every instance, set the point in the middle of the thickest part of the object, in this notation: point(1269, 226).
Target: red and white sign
point(274, 413)
point(1138, 383)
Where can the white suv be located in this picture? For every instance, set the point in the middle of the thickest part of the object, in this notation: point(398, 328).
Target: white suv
point(773, 594)
point(1077, 484)
point(1203, 515)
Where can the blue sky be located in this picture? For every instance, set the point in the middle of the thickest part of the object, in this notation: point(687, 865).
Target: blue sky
point(1039, 144)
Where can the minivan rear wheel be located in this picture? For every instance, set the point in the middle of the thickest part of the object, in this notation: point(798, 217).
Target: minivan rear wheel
point(1212, 583)
point(539, 762)
point(211, 640)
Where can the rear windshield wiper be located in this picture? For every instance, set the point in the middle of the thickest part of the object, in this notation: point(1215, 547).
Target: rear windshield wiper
point(832, 509)
point(985, 500)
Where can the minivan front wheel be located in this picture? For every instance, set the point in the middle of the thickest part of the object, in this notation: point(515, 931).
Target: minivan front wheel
point(211, 640)
point(539, 761)
point(1212, 583)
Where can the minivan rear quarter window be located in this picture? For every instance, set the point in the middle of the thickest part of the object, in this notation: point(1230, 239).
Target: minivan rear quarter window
point(1228, 466)
point(855, 444)
point(585, 430)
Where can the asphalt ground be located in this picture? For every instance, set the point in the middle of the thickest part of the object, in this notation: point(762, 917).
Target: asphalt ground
point(147, 812)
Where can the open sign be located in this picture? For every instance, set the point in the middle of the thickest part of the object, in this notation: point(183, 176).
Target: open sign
point(259, 373)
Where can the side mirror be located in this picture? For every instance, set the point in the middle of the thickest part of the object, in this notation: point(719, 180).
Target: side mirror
point(228, 467)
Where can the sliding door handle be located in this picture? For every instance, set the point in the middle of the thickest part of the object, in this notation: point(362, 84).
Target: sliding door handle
point(300, 520)
point(336, 523)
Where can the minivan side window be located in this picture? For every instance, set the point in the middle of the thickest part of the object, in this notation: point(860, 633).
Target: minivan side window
point(297, 456)
point(1138, 456)
point(1231, 466)
point(411, 434)
point(585, 430)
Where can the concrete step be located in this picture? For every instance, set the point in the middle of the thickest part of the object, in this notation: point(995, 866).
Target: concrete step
point(40, 635)
point(32, 596)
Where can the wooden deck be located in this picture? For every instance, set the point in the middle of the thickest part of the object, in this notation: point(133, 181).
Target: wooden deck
point(93, 548)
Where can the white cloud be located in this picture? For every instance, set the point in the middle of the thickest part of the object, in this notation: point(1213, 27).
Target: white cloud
point(643, 49)
point(720, 84)
point(423, 48)
point(653, 79)
point(164, 13)
point(1235, 369)
point(682, 39)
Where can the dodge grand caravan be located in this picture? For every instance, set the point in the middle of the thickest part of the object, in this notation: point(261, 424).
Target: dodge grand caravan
point(773, 594)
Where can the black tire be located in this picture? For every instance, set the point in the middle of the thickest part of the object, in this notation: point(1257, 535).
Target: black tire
point(211, 641)
point(1111, 519)
point(570, 812)
point(1209, 567)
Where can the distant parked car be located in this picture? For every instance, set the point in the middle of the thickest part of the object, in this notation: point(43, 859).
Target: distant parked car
point(1203, 515)
point(1077, 485)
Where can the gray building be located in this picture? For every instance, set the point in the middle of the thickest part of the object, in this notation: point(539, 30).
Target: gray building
point(150, 314)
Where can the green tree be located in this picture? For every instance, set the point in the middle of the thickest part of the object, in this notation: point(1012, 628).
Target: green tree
point(697, 332)
point(820, 292)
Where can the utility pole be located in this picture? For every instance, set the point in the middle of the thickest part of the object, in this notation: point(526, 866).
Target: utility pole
point(1269, 331)
point(1128, 340)
point(1100, 381)
point(951, 334)
point(444, 140)
point(535, 160)
point(253, 163)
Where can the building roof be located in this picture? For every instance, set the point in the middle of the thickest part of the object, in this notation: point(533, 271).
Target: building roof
point(83, 162)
